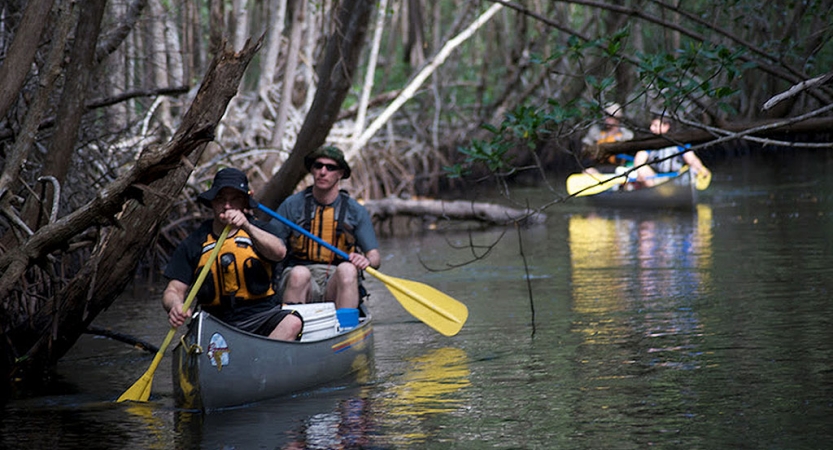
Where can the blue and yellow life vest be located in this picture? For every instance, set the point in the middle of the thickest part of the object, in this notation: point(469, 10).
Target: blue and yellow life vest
point(239, 273)
point(326, 222)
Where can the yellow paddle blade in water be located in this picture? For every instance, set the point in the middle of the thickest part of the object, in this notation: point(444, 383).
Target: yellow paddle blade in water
point(434, 308)
point(582, 184)
point(140, 391)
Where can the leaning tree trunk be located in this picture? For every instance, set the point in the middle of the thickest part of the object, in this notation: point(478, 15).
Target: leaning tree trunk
point(127, 214)
point(335, 79)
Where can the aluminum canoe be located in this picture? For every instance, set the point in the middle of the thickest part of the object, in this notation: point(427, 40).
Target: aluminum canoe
point(675, 192)
point(218, 366)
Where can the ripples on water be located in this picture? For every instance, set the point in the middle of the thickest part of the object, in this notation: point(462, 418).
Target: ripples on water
point(651, 329)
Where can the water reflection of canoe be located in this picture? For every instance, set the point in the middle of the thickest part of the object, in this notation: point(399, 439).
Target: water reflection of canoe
point(675, 191)
point(217, 366)
point(321, 418)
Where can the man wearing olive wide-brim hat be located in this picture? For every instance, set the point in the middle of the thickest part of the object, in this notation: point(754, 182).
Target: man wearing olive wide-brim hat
point(238, 289)
point(313, 273)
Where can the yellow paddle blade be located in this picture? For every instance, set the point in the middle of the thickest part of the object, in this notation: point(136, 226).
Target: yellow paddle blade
point(140, 391)
point(434, 308)
point(582, 184)
point(702, 180)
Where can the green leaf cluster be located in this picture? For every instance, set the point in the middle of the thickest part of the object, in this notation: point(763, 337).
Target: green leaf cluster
point(701, 74)
point(698, 72)
point(524, 126)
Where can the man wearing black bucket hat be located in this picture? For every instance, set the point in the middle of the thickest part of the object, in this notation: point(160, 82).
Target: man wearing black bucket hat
point(313, 273)
point(238, 289)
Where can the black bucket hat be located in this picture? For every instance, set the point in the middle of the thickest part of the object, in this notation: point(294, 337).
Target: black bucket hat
point(328, 151)
point(232, 178)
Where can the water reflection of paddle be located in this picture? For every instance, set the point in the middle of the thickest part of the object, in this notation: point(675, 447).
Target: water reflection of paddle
point(702, 239)
point(154, 425)
point(430, 384)
point(598, 245)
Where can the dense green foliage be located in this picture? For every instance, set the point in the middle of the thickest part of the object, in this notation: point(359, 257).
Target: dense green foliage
point(705, 65)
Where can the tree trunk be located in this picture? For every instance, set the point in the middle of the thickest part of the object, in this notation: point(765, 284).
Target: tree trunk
point(335, 79)
point(367, 88)
point(298, 10)
point(136, 202)
point(191, 47)
point(239, 22)
point(38, 108)
point(415, 46)
point(18, 60)
point(116, 76)
point(216, 25)
point(71, 107)
point(159, 61)
point(272, 48)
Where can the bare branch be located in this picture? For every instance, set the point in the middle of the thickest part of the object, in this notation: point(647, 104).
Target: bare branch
point(56, 196)
point(108, 101)
point(796, 89)
point(420, 78)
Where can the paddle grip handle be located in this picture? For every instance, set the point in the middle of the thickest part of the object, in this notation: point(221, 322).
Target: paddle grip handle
point(306, 233)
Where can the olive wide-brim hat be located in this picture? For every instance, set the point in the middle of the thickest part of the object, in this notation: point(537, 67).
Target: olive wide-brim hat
point(231, 178)
point(331, 152)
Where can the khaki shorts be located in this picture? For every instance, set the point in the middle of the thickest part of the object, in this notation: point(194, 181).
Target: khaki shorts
point(320, 276)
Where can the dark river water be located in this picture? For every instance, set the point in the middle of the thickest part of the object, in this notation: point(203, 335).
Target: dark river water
point(601, 329)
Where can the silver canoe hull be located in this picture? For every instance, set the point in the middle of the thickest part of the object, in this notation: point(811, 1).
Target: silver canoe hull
point(217, 366)
point(677, 193)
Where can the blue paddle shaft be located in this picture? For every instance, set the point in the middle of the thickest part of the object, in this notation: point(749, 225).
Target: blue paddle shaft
point(306, 233)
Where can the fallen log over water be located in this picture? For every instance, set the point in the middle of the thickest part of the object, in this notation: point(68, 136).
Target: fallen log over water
point(491, 213)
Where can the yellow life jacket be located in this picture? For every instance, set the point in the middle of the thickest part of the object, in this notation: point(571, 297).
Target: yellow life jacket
point(326, 222)
point(238, 274)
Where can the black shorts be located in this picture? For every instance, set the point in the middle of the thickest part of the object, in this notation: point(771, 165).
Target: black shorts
point(263, 323)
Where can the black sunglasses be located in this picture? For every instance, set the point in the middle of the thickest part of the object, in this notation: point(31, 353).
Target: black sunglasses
point(319, 165)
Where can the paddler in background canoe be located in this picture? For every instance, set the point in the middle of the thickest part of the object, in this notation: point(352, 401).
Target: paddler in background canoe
point(238, 289)
point(647, 174)
point(613, 131)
